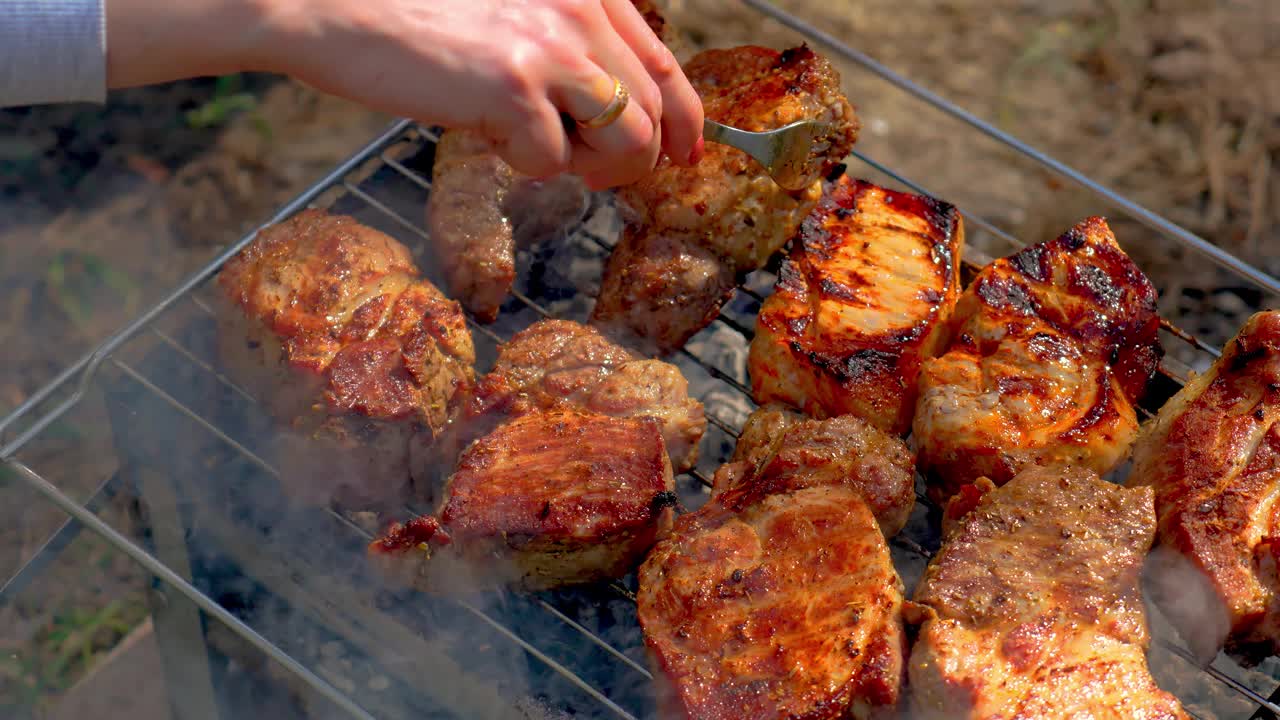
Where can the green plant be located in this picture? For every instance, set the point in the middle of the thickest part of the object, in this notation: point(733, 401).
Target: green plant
point(228, 99)
point(76, 280)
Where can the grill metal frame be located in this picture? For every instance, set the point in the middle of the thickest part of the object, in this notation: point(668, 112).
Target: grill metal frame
point(76, 381)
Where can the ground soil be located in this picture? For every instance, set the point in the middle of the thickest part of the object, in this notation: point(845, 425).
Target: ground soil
point(1175, 103)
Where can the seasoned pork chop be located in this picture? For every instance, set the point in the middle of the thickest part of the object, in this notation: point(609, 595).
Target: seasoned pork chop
point(777, 599)
point(862, 299)
point(557, 364)
point(727, 206)
point(763, 607)
point(1213, 458)
point(1051, 348)
point(328, 324)
point(1033, 606)
point(548, 499)
point(780, 451)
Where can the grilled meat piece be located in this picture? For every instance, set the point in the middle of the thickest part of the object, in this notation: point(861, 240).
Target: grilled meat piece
point(1051, 349)
point(560, 364)
point(726, 207)
point(327, 322)
point(1033, 606)
point(480, 211)
point(780, 451)
point(679, 285)
point(777, 599)
point(1213, 458)
point(774, 606)
point(654, 19)
point(862, 299)
point(548, 499)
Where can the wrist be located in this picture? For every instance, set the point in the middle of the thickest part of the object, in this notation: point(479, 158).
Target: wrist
point(149, 42)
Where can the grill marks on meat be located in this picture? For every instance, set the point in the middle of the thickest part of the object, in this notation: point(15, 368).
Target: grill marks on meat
point(481, 210)
point(1033, 606)
point(863, 298)
point(1213, 457)
point(1051, 349)
point(725, 217)
point(789, 608)
point(560, 364)
point(363, 361)
point(777, 599)
point(547, 499)
point(780, 451)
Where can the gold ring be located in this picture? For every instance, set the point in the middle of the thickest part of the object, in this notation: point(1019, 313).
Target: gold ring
point(613, 110)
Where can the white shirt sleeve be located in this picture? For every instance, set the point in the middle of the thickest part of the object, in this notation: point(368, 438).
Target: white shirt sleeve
point(52, 51)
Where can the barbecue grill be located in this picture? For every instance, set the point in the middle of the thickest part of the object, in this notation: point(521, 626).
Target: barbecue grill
point(240, 573)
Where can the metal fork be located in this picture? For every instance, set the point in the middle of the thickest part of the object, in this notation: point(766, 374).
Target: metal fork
point(789, 154)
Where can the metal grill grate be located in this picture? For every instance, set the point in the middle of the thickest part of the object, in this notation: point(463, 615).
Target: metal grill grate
point(579, 650)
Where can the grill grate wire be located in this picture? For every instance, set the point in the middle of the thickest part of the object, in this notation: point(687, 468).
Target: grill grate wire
point(727, 427)
point(83, 371)
point(902, 542)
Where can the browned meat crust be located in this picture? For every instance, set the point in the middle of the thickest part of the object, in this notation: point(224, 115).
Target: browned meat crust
point(862, 299)
point(1033, 606)
point(777, 599)
point(681, 285)
point(547, 499)
point(1051, 349)
point(329, 324)
point(780, 451)
point(787, 607)
point(480, 210)
point(1213, 457)
point(560, 364)
point(727, 206)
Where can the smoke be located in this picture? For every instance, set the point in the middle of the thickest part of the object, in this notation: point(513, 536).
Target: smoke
point(1184, 594)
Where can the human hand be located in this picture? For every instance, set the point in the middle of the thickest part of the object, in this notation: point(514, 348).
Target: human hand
point(507, 69)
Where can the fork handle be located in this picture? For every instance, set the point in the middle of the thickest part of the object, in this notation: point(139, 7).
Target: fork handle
point(748, 142)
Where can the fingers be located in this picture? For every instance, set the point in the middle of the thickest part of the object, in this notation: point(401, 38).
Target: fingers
point(663, 112)
point(538, 145)
point(632, 142)
point(588, 95)
point(681, 108)
point(601, 170)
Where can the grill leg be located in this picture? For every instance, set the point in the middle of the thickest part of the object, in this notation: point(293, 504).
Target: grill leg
point(179, 626)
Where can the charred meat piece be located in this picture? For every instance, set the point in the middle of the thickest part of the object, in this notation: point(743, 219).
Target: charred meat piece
point(480, 211)
point(784, 606)
point(548, 499)
point(781, 451)
point(1213, 458)
point(560, 364)
point(863, 298)
point(727, 207)
point(327, 322)
point(1051, 348)
point(1033, 606)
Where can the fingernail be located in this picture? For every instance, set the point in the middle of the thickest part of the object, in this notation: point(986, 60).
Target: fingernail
point(699, 150)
